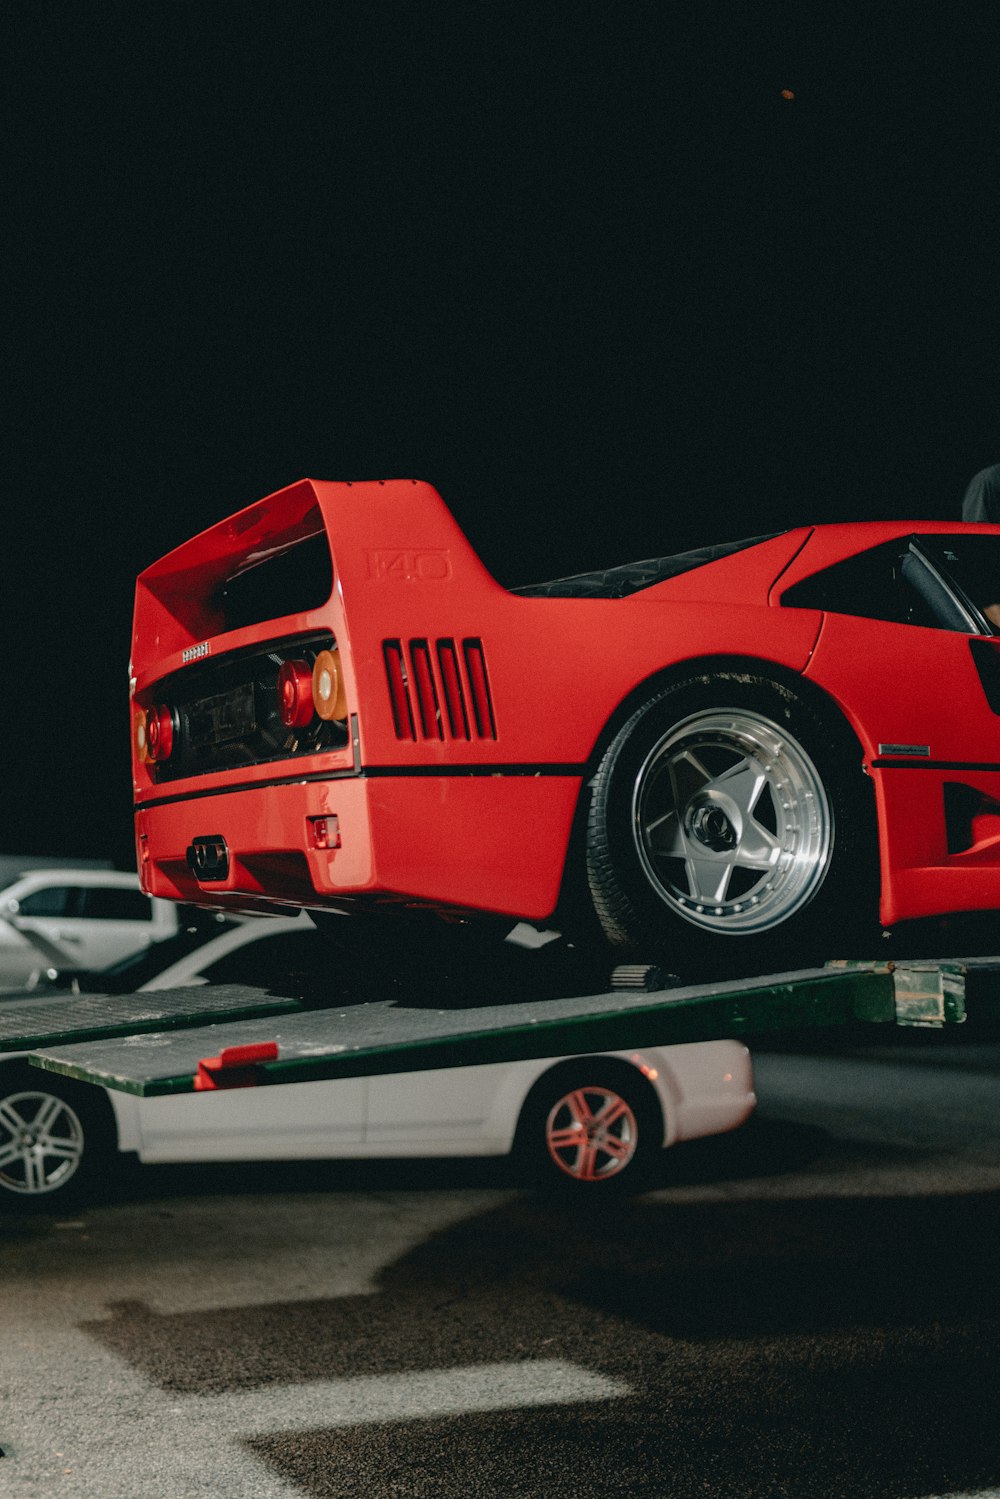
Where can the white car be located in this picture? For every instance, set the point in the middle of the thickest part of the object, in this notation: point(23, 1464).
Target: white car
point(76, 918)
point(591, 1123)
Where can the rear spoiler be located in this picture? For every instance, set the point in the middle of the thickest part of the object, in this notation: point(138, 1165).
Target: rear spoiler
point(397, 530)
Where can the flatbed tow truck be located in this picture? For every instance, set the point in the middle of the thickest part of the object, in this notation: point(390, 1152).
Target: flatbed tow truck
point(199, 1039)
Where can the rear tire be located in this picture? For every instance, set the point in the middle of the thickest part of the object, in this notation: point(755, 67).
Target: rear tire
point(731, 825)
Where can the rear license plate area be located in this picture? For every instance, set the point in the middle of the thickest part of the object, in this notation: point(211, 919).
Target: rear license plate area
point(222, 718)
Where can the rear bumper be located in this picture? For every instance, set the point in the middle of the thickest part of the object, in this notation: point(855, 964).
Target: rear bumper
point(495, 843)
point(706, 1087)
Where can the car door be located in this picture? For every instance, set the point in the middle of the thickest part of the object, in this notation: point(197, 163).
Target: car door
point(908, 650)
point(45, 921)
point(29, 919)
point(287, 1121)
point(111, 923)
point(449, 1107)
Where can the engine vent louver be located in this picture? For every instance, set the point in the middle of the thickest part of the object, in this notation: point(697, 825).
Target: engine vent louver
point(439, 689)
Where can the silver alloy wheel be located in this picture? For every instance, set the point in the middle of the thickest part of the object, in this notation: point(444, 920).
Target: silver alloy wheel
point(732, 822)
point(41, 1143)
point(591, 1133)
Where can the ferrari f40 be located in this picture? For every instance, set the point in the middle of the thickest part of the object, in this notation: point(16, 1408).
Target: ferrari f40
point(734, 750)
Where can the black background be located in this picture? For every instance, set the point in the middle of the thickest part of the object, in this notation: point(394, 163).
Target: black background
point(584, 267)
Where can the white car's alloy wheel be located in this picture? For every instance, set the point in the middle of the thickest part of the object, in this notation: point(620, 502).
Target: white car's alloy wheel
point(591, 1133)
point(591, 1126)
point(42, 1143)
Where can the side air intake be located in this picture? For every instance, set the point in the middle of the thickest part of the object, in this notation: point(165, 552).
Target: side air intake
point(439, 689)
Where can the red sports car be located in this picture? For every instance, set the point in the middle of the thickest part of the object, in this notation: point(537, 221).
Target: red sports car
point(730, 750)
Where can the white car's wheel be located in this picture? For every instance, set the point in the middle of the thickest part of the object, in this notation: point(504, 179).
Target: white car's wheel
point(591, 1125)
point(54, 1139)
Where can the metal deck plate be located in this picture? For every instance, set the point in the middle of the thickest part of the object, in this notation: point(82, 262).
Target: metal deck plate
point(27, 1023)
point(366, 1039)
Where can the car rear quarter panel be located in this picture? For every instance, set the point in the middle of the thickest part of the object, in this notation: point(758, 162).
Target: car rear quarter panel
point(703, 1088)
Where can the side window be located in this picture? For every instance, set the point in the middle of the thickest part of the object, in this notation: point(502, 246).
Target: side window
point(104, 903)
point(53, 900)
point(910, 581)
point(972, 566)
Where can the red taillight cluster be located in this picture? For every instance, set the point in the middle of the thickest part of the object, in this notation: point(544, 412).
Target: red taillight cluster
point(295, 699)
point(154, 733)
point(305, 691)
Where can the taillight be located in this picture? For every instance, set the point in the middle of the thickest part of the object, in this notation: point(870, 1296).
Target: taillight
point(295, 694)
point(328, 693)
point(154, 733)
point(159, 733)
point(305, 690)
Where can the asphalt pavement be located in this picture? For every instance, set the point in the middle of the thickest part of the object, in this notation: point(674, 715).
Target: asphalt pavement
point(806, 1308)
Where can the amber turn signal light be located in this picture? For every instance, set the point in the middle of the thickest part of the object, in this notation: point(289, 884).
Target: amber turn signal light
point(139, 735)
point(328, 693)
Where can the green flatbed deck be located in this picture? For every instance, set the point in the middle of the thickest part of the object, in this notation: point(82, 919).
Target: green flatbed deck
point(364, 1039)
point(153, 1044)
point(48, 1020)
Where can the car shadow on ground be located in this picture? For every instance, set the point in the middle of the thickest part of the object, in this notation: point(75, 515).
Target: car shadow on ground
point(758, 1345)
point(828, 1346)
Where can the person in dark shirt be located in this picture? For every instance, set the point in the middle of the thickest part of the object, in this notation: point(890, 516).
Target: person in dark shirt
point(982, 498)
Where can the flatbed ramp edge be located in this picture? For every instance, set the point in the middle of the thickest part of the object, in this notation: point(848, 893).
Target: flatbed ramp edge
point(306, 1045)
point(27, 1023)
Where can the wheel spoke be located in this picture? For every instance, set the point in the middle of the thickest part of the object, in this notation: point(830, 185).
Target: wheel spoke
point(743, 784)
point(611, 1110)
point(665, 836)
point(34, 1172)
point(64, 1150)
point(757, 848)
point(9, 1153)
point(708, 877)
point(48, 1113)
point(586, 1162)
point(621, 1150)
point(687, 774)
point(578, 1106)
point(10, 1116)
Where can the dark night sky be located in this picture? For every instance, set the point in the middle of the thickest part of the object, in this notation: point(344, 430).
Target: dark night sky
point(583, 267)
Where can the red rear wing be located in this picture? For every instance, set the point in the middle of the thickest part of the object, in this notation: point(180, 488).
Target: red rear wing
point(380, 566)
point(398, 532)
